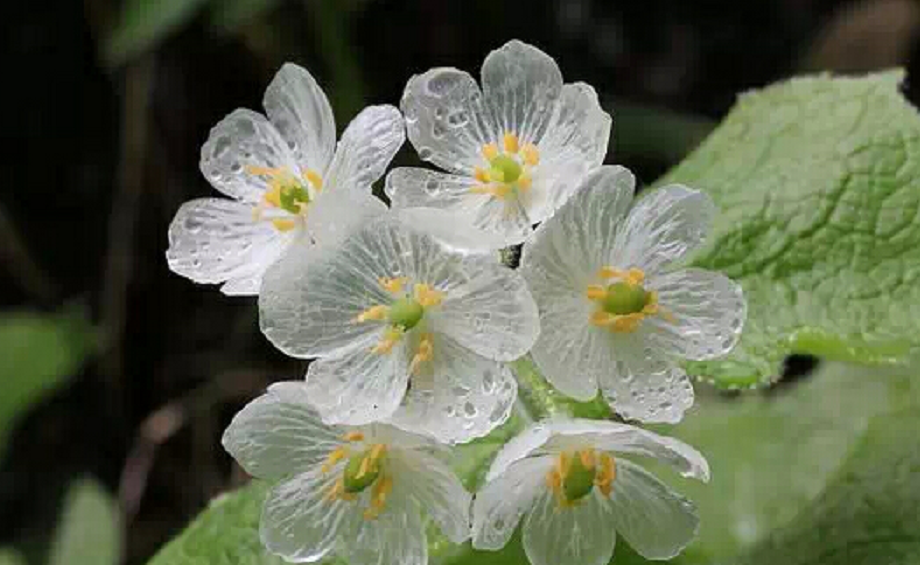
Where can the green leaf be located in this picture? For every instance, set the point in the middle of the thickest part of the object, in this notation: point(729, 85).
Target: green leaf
point(11, 557)
point(38, 353)
point(818, 181)
point(88, 532)
point(143, 23)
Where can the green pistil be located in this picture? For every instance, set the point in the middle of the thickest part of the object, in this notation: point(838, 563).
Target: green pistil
point(624, 298)
point(351, 481)
point(579, 481)
point(505, 169)
point(406, 313)
point(292, 196)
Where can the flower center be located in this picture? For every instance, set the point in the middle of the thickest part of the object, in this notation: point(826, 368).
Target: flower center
point(406, 313)
point(576, 473)
point(622, 305)
point(624, 298)
point(286, 196)
point(364, 470)
point(505, 169)
point(508, 171)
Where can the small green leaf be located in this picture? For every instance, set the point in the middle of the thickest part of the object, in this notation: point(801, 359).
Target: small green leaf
point(38, 353)
point(88, 532)
point(818, 181)
point(142, 24)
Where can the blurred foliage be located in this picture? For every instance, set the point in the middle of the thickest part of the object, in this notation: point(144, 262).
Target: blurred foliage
point(38, 354)
point(88, 532)
point(11, 557)
point(142, 24)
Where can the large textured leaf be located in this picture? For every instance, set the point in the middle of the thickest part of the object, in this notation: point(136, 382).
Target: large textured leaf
point(818, 181)
point(38, 353)
point(88, 532)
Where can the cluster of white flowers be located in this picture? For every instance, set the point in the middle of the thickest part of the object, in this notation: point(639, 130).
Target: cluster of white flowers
point(411, 317)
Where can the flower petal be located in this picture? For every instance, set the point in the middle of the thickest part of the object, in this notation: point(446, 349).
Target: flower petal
point(212, 240)
point(499, 505)
point(521, 86)
point(446, 120)
point(458, 395)
point(663, 227)
point(519, 447)
point(656, 522)
point(397, 535)
point(279, 433)
point(242, 140)
point(410, 187)
point(436, 490)
point(488, 309)
point(631, 440)
point(583, 534)
point(298, 523)
point(451, 230)
point(359, 386)
point(366, 148)
point(705, 312)
point(641, 383)
point(301, 113)
point(336, 214)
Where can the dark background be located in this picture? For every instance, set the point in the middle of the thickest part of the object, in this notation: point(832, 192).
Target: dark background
point(102, 148)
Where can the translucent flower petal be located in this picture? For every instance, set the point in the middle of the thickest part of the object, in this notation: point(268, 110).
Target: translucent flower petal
point(446, 120)
point(458, 396)
point(452, 230)
point(583, 534)
point(359, 386)
point(378, 432)
point(519, 447)
point(705, 314)
point(436, 490)
point(366, 148)
point(337, 213)
point(521, 87)
point(631, 440)
point(663, 227)
point(212, 240)
point(279, 433)
point(499, 505)
point(422, 188)
point(298, 523)
point(397, 535)
point(656, 522)
point(242, 140)
point(640, 383)
point(301, 113)
point(488, 309)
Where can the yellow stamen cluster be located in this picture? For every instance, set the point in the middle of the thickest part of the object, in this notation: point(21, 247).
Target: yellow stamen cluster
point(628, 288)
point(508, 171)
point(369, 472)
point(576, 473)
point(286, 193)
point(424, 354)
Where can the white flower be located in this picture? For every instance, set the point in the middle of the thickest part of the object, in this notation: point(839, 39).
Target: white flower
point(570, 482)
point(287, 182)
point(392, 308)
point(359, 492)
point(612, 315)
point(514, 152)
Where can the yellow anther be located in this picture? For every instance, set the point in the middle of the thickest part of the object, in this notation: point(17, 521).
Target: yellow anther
point(635, 276)
point(489, 151)
point(481, 175)
point(424, 354)
point(378, 451)
point(596, 292)
point(381, 490)
point(496, 190)
point(393, 285)
point(314, 179)
point(587, 458)
point(263, 171)
point(363, 468)
point(284, 224)
point(531, 155)
point(374, 313)
point(353, 436)
point(390, 338)
point(524, 183)
point(427, 296)
point(510, 142)
point(337, 455)
point(632, 276)
point(272, 196)
point(606, 476)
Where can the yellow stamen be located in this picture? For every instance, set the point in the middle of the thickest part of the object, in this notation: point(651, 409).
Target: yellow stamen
point(353, 436)
point(314, 179)
point(606, 476)
point(263, 171)
point(632, 276)
point(374, 313)
point(427, 296)
point(587, 458)
point(489, 151)
point(481, 175)
point(363, 468)
point(337, 491)
point(381, 489)
point(378, 451)
point(393, 285)
point(390, 338)
point(524, 183)
point(337, 455)
point(496, 190)
point(273, 196)
point(424, 354)
point(284, 224)
point(510, 142)
point(531, 155)
point(596, 292)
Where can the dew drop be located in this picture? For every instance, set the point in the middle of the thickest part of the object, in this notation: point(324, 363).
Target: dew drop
point(236, 167)
point(457, 119)
point(432, 186)
point(220, 147)
point(437, 131)
point(439, 113)
point(470, 409)
point(425, 153)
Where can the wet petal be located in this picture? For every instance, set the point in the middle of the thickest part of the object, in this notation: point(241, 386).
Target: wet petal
point(499, 505)
point(335, 214)
point(422, 188)
point(212, 240)
point(279, 433)
point(663, 227)
point(359, 386)
point(242, 140)
point(298, 523)
point(397, 535)
point(458, 395)
point(705, 312)
point(301, 113)
point(366, 148)
point(583, 534)
point(451, 230)
point(519, 447)
point(656, 522)
point(521, 88)
point(446, 120)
